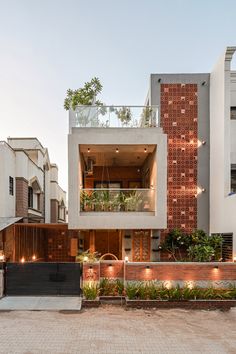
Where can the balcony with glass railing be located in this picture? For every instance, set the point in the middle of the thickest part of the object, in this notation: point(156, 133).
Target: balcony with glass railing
point(114, 117)
point(117, 200)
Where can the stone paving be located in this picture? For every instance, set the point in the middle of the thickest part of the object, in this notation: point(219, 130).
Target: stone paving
point(114, 330)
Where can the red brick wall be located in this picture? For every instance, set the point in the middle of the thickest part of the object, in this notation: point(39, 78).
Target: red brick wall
point(179, 121)
point(180, 271)
point(58, 244)
point(21, 197)
point(160, 271)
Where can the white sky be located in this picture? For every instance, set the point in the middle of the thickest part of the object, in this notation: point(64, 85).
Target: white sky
point(47, 46)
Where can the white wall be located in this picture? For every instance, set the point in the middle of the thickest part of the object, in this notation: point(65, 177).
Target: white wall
point(119, 136)
point(222, 206)
point(7, 168)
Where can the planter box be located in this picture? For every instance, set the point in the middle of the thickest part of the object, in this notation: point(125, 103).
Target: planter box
point(90, 303)
point(111, 298)
point(191, 304)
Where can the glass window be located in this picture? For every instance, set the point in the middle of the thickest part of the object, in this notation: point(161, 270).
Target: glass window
point(11, 185)
point(30, 197)
point(233, 113)
point(233, 179)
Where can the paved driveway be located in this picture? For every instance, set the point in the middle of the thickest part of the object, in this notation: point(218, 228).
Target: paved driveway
point(111, 329)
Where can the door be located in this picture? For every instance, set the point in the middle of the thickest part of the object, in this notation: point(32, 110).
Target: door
point(141, 245)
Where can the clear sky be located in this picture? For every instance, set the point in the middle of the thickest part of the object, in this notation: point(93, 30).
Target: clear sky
point(47, 46)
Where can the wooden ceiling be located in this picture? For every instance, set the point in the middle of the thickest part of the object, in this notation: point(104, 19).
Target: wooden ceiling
point(107, 155)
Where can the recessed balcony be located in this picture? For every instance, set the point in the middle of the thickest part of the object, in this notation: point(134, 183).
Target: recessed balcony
point(114, 117)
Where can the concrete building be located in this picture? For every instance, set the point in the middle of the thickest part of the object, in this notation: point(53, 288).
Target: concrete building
point(135, 173)
point(29, 183)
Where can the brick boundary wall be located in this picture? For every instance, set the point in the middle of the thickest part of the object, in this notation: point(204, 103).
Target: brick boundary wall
point(201, 274)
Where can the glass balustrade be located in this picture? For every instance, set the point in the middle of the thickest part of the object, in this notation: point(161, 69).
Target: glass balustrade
point(117, 200)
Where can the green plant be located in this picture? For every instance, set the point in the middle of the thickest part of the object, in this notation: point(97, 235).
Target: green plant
point(88, 256)
point(124, 114)
point(146, 115)
point(201, 253)
point(131, 290)
point(132, 201)
point(111, 287)
point(85, 95)
point(90, 291)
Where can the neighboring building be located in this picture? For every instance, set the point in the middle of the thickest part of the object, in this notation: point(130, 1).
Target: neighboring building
point(137, 172)
point(29, 183)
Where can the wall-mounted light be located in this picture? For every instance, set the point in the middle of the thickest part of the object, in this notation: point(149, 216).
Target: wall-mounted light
point(117, 150)
point(216, 267)
point(90, 267)
point(85, 258)
point(110, 265)
point(200, 190)
point(22, 260)
point(201, 143)
point(34, 257)
point(151, 186)
point(145, 150)
point(159, 80)
point(234, 258)
point(88, 150)
point(147, 267)
point(2, 257)
point(203, 83)
point(126, 259)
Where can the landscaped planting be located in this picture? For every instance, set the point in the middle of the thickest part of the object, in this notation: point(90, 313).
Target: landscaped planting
point(152, 291)
point(111, 287)
point(91, 291)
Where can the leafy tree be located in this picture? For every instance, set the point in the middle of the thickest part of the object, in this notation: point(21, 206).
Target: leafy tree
point(85, 95)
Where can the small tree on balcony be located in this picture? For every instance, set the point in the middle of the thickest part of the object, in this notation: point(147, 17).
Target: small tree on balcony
point(85, 95)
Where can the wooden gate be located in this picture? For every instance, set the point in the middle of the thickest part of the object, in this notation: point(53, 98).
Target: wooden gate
point(141, 245)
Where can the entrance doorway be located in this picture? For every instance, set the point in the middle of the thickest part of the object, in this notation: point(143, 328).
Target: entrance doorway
point(104, 241)
point(141, 245)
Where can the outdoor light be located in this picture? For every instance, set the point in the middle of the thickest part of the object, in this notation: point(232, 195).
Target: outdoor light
point(117, 150)
point(216, 267)
point(90, 267)
point(85, 258)
point(145, 150)
point(126, 258)
point(147, 267)
point(200, 190)
point(22, 260)
point(88, 149)
point(234, 258)
point(200, 143)
point(110, 265)
point(2, 257)
point(33, 257)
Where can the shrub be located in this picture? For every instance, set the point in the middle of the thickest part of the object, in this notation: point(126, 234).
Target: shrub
point(110, 287)
point(90, 291)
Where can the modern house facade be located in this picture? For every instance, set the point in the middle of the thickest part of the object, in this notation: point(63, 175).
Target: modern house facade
point(135, 173)
point(29, 183)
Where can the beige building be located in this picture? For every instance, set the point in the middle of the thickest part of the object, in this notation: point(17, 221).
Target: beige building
point(29, 183)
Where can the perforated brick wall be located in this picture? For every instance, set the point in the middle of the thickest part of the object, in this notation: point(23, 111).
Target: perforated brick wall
point(179, 112)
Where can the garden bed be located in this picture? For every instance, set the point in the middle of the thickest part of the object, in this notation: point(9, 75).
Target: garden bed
point(185, 304)
point(91, 303)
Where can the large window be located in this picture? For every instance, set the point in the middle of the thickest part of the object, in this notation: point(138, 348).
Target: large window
point(233, 178)
point(233, 113)
point(30, 197)
point(11, 185)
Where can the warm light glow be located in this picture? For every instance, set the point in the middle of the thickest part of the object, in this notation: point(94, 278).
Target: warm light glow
point(190, 284)
point(117, 150)
point(234, 258)
point(200, 143)
point(168, 284)
point(145, 150)
point(85, 258)
point(88, 150)
point(126, 258)
point(2, 257)
point(200, 190)
point(22, 260)
point(33, 257)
